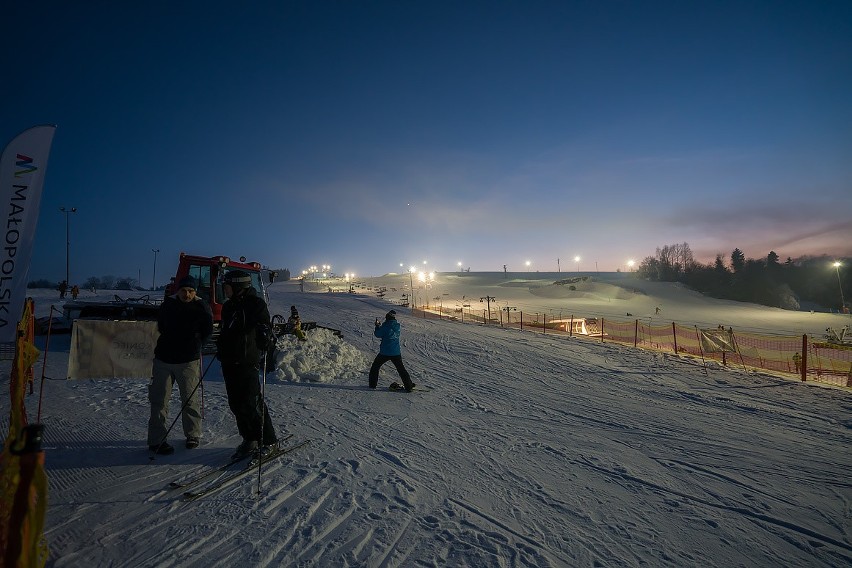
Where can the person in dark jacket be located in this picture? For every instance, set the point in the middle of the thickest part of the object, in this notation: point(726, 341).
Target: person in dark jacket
point(246, 333)
point(389, 350)
point(185, 323)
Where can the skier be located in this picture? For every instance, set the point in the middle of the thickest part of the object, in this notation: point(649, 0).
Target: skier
point(63, 288)
point(185, 323)
point(75, 291)
point(389, 350)
point(246, 333)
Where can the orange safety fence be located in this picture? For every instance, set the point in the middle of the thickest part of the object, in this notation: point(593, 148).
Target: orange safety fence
point(808, 358)
point(830, 363)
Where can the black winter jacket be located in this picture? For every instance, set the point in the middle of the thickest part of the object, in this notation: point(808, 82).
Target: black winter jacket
point(183, 327)
point(245, 325)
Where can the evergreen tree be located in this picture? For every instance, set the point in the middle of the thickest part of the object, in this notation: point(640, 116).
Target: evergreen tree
point(738, 260)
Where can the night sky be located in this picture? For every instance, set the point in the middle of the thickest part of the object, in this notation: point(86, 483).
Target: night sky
point(369, 134)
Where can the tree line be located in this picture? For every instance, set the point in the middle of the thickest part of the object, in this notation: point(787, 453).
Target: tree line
point(810, 282)
point(95, 283)
point(122, 282)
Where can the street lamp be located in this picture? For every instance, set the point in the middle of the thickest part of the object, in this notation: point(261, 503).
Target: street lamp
point(67, 242)
point(411, 285)
point(154, 277)
point(837, 266)
point(577, 260)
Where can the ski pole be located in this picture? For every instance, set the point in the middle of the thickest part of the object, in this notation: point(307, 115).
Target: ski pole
point(201, 382)
point(189, 398)
point(263, 413)
point(44, 360)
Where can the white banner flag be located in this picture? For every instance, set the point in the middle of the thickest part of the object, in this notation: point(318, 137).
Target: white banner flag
point(22, 168)
point(104, 349)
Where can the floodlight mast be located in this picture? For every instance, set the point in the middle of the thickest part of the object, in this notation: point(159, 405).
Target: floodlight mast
point(837, 266)
point(67, 243)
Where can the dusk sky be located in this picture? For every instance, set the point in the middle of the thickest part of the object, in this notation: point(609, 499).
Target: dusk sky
point(368, 134)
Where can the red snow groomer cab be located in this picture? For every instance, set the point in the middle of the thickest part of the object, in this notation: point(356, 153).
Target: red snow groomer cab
point(209, 272)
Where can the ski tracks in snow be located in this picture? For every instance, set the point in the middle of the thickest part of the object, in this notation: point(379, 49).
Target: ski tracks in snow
point(529, 450)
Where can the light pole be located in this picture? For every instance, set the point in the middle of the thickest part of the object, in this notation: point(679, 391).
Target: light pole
point(837, 266)
point(577, 260)
point(154, 277)
point(411, 285)
point(488, 300)
point(67, 242)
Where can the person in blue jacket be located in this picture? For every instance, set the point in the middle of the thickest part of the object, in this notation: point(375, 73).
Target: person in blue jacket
point(388, 332)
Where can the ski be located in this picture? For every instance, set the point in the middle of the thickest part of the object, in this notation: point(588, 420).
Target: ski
point(184, 483)
point(397, 387)
point(250, 468)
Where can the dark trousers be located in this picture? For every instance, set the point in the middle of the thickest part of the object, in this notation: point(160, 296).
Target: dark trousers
point(243, 387)
point(397, 362)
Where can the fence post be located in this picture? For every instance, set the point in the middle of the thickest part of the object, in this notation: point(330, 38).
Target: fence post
point(571, 327)
point(674, 335)
point(636, 334)
point(804, 357)
point(602, 329)
point(701, 349)
point(543, 324)
point(522, 321)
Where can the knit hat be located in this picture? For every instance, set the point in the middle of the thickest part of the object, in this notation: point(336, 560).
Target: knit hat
point(294, 311)
point(391, 315)
point(238, 279)
point(187, 282)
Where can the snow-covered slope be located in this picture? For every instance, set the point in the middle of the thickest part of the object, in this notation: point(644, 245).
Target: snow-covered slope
point(520, 450)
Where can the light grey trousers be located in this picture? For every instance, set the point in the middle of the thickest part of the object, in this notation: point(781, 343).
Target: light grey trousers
point(186, 375)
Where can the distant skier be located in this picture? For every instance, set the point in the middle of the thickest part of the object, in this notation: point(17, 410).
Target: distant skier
point(63, 288)
point(185, 323)
point(246, 333)
point(389, 350)
point(75, 291)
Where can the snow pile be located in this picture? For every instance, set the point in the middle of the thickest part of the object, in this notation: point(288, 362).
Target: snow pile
point(320, 359)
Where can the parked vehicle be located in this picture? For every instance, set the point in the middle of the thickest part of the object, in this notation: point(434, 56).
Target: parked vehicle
point(209, 272)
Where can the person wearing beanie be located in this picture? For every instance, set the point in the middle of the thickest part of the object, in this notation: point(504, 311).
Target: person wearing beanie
point(389, 350)
point(185, 323)
point(245, 334)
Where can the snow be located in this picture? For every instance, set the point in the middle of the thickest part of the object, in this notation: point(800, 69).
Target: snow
point(521, 449)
